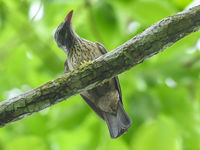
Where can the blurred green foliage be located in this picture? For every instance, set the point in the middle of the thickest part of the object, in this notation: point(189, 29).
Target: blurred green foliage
point(162, 95)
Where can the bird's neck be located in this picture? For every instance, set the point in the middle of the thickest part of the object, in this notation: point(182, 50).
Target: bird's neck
point(72, 37)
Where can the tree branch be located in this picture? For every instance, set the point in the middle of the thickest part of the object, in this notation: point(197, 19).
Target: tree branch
point(150, 42)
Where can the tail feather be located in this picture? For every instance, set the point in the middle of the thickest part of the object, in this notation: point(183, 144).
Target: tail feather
point(119, 123)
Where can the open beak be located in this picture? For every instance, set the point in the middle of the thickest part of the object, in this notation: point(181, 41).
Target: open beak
point(68, 18)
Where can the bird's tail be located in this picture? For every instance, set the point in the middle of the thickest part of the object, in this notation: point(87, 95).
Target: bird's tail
point(119, 123)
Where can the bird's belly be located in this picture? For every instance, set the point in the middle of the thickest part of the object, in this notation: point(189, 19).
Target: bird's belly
point(82, 53)
point(77, 60)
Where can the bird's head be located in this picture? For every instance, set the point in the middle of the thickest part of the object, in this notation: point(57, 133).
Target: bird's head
point(65, 34)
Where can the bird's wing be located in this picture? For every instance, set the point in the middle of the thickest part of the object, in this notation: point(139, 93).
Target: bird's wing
point(101, 48)
point(92, 105)
point(66, 67)
point(117, 85)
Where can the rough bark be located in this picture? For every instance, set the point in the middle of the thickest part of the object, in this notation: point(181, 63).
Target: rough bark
point(150, 42)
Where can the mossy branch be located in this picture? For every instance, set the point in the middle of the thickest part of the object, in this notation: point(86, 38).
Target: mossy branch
point(150, 42)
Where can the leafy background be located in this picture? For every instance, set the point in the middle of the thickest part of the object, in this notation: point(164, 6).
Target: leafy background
point(162, 95)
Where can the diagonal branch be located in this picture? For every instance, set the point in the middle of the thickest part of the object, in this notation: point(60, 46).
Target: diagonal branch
point(150, 42)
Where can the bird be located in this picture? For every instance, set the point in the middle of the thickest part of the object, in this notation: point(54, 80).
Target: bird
point(105, 99)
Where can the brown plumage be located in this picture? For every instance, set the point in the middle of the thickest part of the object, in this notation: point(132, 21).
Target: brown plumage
point(106, 99)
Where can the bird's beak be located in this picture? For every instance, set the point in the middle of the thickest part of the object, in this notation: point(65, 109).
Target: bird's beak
point(68, 18)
